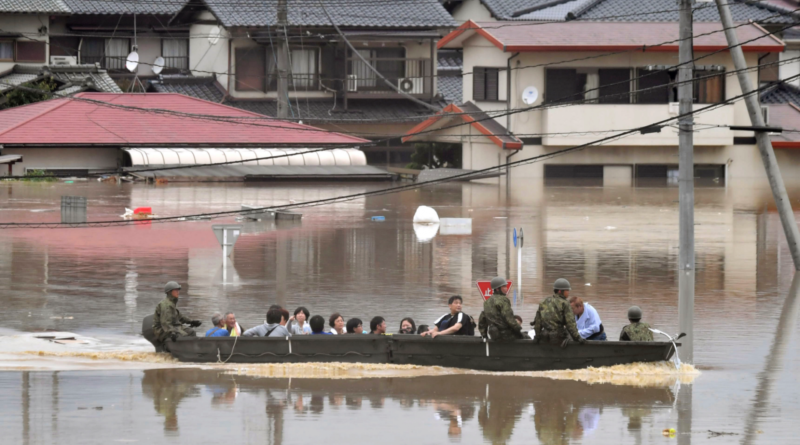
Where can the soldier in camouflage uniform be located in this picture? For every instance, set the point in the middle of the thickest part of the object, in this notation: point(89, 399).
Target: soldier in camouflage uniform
point(636, 331)
point(555, 322)
point(497, 319)
point(168, 321)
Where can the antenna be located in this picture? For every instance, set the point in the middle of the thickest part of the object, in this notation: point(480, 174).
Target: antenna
point(213, 35)
point(158, 65)
point(529, 95)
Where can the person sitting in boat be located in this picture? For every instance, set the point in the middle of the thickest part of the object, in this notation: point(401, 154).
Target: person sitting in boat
point(377, 326)
point(336, 322)
point(272, 328)
point(407, 326)
point(555, 321)
point(167, 319)
point(232, 326)
point(423, 328)
point(318, 325)
point(454, 322)
point(636, 331)
point(219, 329)
point(496, 322)
point(354, 326)
point(298, 323)
point(530, 333)
point(588, 320)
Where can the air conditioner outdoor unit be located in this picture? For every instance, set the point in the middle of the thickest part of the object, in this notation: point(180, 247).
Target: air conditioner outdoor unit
point(765, 113)
point(411, 85)
point(63, 60)
point(352, 83)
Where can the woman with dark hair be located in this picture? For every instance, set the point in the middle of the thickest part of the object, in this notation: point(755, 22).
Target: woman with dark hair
point(336, 322)
point(298, 323)
point(354, 326)
point(407, 326)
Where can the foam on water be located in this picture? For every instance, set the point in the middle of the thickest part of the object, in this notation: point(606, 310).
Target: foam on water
point(653, 374)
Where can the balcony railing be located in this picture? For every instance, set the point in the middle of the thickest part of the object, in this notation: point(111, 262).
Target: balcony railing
point(176, 62)
point(106, 62)
point(412, 76)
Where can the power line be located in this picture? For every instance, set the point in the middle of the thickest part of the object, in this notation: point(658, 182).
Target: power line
point(396, 189)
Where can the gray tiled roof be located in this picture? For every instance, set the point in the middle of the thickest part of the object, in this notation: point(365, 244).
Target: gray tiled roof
point(451, 88)
point(782, 93)
point(199, 87)
point(13, 79)
point(450, 60)
point(346, 13)
point(71, 78)
point(631, 10)
point(41, 6)
point(166, 7)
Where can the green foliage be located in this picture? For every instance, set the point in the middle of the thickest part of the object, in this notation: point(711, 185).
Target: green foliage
point(19, 96)
point(39, 176)
point(435, 155)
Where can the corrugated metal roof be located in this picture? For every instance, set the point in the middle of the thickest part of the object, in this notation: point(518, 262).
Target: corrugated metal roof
point(270, 171)
point(347, 13)
point(34, 6)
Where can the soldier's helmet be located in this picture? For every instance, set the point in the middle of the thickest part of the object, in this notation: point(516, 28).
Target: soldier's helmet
point(635, 313)
point(171, 286)
point(498, 282)
point(562, 284)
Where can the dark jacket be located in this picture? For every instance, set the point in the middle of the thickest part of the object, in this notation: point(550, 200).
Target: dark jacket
point(498, 317)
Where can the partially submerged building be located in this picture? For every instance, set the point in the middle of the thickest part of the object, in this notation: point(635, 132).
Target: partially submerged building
point(104, 132)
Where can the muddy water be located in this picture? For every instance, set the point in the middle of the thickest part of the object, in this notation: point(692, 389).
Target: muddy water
point(617, 246)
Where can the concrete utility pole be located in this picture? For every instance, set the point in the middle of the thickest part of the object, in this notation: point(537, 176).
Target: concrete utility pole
point(283, 61)
point(686, 183)
point(762, 138)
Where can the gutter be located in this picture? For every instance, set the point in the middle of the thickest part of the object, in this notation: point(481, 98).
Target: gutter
point(508, 92)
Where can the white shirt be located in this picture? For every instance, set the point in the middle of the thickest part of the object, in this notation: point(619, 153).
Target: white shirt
point(589, 323)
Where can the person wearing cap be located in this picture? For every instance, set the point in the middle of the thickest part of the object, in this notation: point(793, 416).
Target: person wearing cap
point(636, 331)
point(497, 322)
point(555, 322)
point(168, 321)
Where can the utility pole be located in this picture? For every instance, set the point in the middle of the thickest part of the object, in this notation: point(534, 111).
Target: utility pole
point(762, 138)
point(686, 182)
point(283, 61)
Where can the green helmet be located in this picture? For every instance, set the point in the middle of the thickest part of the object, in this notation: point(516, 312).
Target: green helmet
point(562, 284)
point(498, 282)
point(635, 313)
point(171, 286)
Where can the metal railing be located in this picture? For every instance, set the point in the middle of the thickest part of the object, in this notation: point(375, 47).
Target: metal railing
point(176, 62)
point(412, 76)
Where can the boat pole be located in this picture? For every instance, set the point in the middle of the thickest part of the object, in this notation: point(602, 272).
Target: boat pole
point(519, 265)
point(762, 138)
point(686, 182)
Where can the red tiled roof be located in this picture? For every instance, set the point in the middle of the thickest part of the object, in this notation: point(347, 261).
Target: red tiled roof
point(606, 36)
point(476, 117)
point(87, 122)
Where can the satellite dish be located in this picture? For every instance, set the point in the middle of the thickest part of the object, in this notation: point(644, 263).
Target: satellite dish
point(213, 35)
point(132, 61)
point(530, 95)
point(158, 65)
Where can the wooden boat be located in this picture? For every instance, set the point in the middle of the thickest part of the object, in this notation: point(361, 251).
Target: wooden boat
point(447, 351)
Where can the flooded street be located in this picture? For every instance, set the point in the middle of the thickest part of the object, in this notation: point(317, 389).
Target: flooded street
point(617, 246)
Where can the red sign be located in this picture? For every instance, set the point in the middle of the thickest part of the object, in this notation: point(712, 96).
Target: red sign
point(484, 287)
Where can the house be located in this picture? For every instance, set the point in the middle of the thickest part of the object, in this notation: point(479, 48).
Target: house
point(233, 60)
point(609, 63)
point(66, 79)
point(93, 132)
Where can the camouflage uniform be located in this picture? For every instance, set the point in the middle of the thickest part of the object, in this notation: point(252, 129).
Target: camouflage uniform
point(555, 321)
point(636, 332)
point(168, 319)
point(498, 318)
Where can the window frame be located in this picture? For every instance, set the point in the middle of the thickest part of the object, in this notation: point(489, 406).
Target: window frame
point(315, 75)
point(264, 84)
point(484, 70)
point(13, 50)
point(16, 51)
point(169, 68)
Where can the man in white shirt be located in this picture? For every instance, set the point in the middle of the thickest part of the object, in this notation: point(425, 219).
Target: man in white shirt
point(589, 325)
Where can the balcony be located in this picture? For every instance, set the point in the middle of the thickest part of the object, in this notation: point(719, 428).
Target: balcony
point(604, 117)
point(413, 76)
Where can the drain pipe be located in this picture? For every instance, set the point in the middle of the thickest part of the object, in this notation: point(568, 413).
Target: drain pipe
point(508, 120)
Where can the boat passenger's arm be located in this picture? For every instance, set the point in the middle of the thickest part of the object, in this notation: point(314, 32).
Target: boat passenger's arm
point(449, 331)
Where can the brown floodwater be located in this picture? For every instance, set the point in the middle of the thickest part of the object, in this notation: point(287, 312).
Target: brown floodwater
point(617, 246)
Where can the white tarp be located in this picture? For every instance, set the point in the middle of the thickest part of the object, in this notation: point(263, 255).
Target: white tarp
point(251, 156)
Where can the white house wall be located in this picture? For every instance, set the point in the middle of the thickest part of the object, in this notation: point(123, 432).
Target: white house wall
point(64, 158)
point(205, 58)
point(29, 26)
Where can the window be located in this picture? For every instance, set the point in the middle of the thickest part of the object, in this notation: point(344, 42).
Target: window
point(615, 86)
point(709, 86)
point(7, 51)
point(485, 84)
point(64, 46)
point(93, 51)
point(116, 53)
point(30, 51)
point(251, 68)
point(390, 62)
point(175, 53)
point(304, 68)
point(109, 53)
point(656, 85)
point(563, 85)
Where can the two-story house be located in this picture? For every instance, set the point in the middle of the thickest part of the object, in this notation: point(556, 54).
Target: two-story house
point(589, 77)
point(233, 60)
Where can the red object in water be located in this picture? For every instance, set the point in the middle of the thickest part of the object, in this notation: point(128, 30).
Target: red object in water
point(138, 210)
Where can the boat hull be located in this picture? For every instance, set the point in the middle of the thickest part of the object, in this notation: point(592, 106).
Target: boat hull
point(450, 351)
